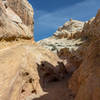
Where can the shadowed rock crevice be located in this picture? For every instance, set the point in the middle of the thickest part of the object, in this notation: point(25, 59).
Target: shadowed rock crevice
point(49, 73)
point(54, 81)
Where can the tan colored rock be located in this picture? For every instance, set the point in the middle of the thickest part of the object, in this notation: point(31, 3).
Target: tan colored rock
point(24, 10)
point(69, 29)
point(72, 60)
point(91, 30)
point(85, 82)
point(12, 26)
point(84, 62)
point(25, 68)
point(19, 70)
point(64, 37)
point(64, 44)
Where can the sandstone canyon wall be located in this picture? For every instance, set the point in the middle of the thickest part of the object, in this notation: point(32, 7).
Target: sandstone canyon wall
point(16, 19)
point(30, 72)
point(24, 65)
point(24, 10)
point(85, 81)
point(84, 61)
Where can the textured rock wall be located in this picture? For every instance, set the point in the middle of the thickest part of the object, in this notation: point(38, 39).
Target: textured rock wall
point(13, 24)
point(91, 29)
point(25, 67)
point(85, 82)
point(19, 70)
point(69, 29)
point(24, 10)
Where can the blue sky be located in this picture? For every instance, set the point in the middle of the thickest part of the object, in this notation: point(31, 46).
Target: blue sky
point(50, 14)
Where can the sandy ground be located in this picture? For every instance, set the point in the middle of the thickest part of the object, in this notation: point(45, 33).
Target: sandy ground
point(57, 90)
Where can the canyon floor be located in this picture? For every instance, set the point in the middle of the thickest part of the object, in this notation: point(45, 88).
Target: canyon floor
point(57, 90)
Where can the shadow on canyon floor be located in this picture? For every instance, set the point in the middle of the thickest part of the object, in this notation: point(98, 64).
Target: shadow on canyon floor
point(54, 81)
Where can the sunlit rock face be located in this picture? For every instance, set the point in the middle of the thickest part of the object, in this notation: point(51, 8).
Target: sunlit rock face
point(64, 37)
point(69, 29)
point(30, 72)
point(24, 10)
point(16, 19)
point(25, 67)
point(65, 44)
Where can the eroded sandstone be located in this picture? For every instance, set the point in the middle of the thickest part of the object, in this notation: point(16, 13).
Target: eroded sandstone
point(30, 72)
point(19, 71)
point(12, 24)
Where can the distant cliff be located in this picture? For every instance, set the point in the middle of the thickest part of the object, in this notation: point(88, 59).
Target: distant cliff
point(61, 38)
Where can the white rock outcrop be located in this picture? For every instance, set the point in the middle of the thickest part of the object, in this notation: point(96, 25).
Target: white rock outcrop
point(62, 37)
